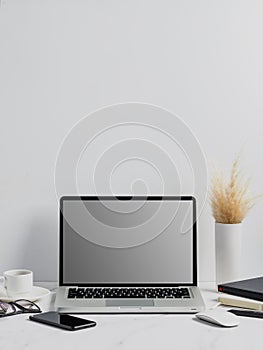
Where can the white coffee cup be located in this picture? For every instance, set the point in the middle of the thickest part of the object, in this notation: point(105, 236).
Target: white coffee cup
point(18, 282)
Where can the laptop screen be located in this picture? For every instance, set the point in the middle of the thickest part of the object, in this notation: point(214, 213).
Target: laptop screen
point(137, 241)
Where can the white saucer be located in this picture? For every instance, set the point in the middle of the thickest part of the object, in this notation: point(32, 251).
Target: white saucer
point(35, 294)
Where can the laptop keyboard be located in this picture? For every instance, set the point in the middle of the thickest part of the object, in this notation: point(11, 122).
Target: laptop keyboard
point(89, 293)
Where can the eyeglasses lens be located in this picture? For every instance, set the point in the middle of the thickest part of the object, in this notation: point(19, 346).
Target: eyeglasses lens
point(27, 305)
point(6, 308)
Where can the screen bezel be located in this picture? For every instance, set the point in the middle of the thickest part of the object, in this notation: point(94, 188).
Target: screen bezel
point(110, 198)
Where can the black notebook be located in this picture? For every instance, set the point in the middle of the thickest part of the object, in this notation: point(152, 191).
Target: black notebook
point(251, 288)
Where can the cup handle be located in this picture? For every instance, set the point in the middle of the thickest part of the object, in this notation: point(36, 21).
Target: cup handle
point(2, 281)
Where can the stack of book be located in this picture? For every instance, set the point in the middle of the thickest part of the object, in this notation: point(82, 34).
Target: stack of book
point(246, 294)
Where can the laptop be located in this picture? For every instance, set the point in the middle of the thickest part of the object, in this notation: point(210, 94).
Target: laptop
point(128, 255)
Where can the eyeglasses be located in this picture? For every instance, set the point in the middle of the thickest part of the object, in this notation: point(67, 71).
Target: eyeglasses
point(16, 307)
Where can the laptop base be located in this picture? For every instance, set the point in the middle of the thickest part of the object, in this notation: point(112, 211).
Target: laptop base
point(129, 306)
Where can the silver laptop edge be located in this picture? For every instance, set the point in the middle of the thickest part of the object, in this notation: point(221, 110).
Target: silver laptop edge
point(158, 306)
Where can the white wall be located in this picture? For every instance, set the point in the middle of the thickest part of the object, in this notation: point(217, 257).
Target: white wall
point(60, 60)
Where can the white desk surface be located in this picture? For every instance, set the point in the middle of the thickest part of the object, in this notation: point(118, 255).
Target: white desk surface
point(132, 331)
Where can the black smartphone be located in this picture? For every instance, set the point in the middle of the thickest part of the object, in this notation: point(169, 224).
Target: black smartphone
point(68, 322)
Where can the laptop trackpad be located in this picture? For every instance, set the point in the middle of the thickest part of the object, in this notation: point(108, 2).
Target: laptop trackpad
point(129, 303)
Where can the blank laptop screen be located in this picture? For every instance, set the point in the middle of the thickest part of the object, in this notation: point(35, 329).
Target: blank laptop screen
point(121, 242)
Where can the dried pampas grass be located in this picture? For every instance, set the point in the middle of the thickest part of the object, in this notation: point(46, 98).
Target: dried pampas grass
point(230, 200)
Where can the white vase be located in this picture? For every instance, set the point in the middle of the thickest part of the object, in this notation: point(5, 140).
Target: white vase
point(227, 252)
